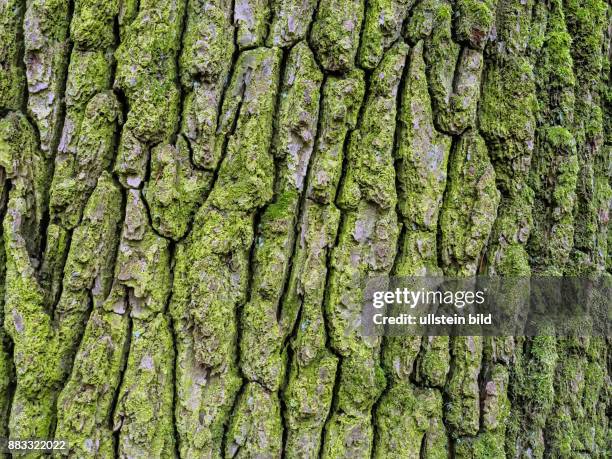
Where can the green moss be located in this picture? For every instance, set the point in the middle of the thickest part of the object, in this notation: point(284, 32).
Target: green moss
point(143, 260)
point(203, 402)
point(421, 163)
point(462, 407)
point(555, 76)
point(474, 19)
point(469, 207)
point(366, 246)
point(213, 259)
point(514, 261)
point(205, 61)
point(29, 174)
point(147, 74)
point(12, 78)
point(290, 21)
point(595, 400)
point(409, 422)
point(87, 139)
point(422, 153)
point(361, 379)
point(6, 377)
point(485, 446)
point(262, 340)
point(495, 403)
point(421, 20)
point(76, 174)
point(558, 44)
point(569, 386)
point(255, 428)
point(88, 269)
point(128, 10)
point(84, 405)
point(56, 249)
point(361, 383)
point(513, 26)
point(207, 42)
point(296, 122)
point(403, 438)
point(533, 390)
point(246, 174)
point(508, 102)
point(537, 28)
point(433, 362)
point(585, 22)
point(94, 241)
point(417, 253)
point(556, 155)
point(593, 435)
point(308, 395)
point(436, 442)
point(216, 235)
point(210, 280)
point(399, 354)
point(308, 398)
point(6, 363)
point(92, 23)
point(335, 33)
point(346, 436)
point(552, 239)
point(261, 343)
point(270, 358)
point(89, 74)
point(46, 353)
point(382, 26)
point(46, 29)
point(349, 431)
point(251, 18)
point(31, 330)
point(307, 279)
point(507, 254)
point(145, 398)
point(370, 175)
point(507, 122)
point(453, 74)
point(342, 97)
point(176, 189)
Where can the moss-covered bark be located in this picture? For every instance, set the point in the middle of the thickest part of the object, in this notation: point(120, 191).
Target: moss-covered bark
point(193, 193)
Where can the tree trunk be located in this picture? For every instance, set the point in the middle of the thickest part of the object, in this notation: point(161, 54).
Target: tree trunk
point(194, 192)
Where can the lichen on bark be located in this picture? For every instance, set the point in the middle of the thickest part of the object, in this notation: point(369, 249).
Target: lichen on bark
point(193, 194)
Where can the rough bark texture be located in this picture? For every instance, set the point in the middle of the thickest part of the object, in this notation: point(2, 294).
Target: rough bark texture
point(193, 192)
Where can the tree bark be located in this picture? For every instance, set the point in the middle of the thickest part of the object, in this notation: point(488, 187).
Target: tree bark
point(194, 192)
